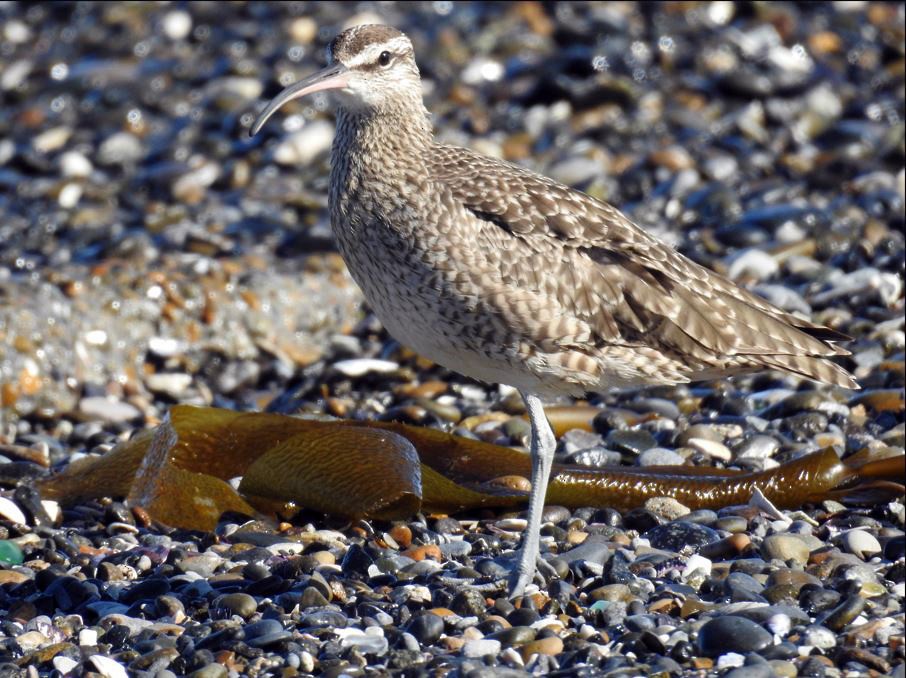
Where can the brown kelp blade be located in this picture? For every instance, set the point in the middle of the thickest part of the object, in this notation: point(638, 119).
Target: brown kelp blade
point(175, 496)
point(351, 471)
point(390, 470)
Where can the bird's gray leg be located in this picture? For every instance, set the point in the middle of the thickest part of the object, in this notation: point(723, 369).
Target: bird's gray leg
point(543, 446)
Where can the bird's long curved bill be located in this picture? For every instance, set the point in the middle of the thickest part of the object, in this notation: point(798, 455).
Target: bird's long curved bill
point(334, 76)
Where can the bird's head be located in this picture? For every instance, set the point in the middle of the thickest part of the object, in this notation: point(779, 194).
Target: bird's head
point(370, 68)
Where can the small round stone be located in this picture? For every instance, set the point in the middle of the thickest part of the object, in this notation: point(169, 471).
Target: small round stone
point(861, 543)
point(785, 547)
point(681, 535)
point(550, 646)
point(731, 634)
point(515, 635)
point(819, 636)
point(468, 603)
point(839, 617)
point(481, 648)
point(427, 628)
point(667, 507)
point(238, 603)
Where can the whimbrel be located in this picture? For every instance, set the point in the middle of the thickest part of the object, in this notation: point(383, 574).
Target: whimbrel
point(507, 276)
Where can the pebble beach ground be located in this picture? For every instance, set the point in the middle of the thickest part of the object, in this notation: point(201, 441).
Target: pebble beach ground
point(151, 253)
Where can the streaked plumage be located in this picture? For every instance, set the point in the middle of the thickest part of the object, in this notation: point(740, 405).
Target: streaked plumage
point(507, 276)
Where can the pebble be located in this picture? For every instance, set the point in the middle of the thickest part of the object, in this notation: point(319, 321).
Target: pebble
point(711, 448)
point(634, 442)
point(177, 24)
point(76, 165)
point(108, 409)
point(238, 603)
point(667, 507)
point(658, 456)
point(861, 543)
point(753, 264)
point(11, 512)
point(820, 637)
point(361, 367)
point(108, 667)
point(426, 628)
point(785, 547)
point(121, 148)
point(679, 536)
point(550, 646)
point(839, 617)
point(481, 648)
point(731, 634)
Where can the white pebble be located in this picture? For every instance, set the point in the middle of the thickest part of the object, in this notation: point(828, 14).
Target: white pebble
point(107, 409)
point(64, 664)
point(306, 662)
point(69, 196)
point(370, 641)
point(305, 145)
point(7, 149)
point(193, 182)
point(730, 660)
point(11, 512)
point(861, 543)
point(15, 73)
point(51, 140)
point(165, 347)
point(75, 165)
point(88, 637)
point(819, 636)
point(779, 624)
point(512, 658)
point(51, 508)
point(96, 337)
point(120, 148)
point(108, 667)
point(697, 563)
point(16, 32)
point(481, 648)
point(169, 383)
point(177, 24)
point(358, 367)
point(753, 263)
point(711, 448)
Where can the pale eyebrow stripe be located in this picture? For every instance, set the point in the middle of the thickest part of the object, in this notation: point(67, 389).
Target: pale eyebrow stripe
point(370, 53)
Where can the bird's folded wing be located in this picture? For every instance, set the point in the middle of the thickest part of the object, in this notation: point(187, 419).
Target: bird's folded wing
point(643, 287)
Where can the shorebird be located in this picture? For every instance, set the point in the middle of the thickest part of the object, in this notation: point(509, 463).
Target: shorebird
point(509, 277)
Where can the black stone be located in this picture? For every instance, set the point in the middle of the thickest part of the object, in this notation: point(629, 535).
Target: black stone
point(145, 590)
point(633, 441)
point(356, 561)
point(732, 634)
point(468, 603)
point(681, 536)
point(895, 548)
point(838, 618)
point(426, 628)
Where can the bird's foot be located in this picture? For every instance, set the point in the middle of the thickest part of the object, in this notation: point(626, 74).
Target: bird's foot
point(519, 580)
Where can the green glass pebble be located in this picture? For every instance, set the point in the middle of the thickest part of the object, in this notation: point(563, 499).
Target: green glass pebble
point(10, 553)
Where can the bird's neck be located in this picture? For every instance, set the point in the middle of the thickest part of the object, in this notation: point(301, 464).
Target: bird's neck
point(371, 144)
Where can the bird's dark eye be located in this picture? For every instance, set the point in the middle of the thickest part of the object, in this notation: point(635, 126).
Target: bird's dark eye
point(384, 59)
